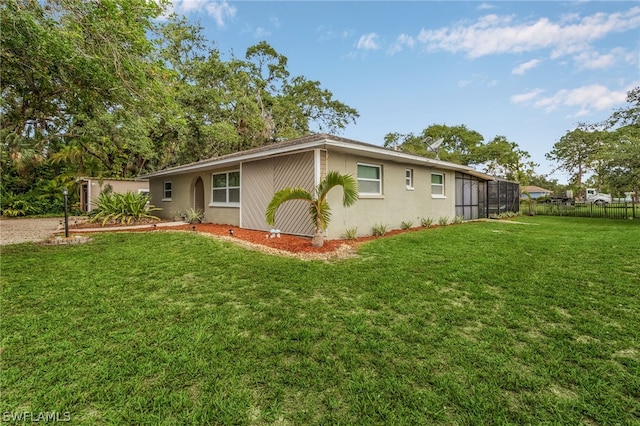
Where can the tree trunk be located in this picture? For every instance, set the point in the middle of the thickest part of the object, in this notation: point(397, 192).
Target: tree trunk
point(318, 237)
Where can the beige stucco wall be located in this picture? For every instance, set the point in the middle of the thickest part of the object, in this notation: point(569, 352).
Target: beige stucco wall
point(395, 205)
point(95, 187)
point(183, 197)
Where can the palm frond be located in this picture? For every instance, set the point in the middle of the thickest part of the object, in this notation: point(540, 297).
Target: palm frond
point(286, 194)
point(347, 182)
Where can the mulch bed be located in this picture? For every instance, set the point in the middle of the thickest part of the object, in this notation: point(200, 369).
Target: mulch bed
point(287, 243)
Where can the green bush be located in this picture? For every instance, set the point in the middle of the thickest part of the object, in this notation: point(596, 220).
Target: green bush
point(14, 205)
point(379, 230)
point(444, 220)
point(123, 208)
point(350, 233)
point(426, 222)
point(192, 215)
point(406, 225)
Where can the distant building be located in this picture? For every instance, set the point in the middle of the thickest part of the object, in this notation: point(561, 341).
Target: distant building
point(90, 189)
point(535, 192)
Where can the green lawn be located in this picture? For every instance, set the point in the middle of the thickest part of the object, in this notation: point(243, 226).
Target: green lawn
point(479, 323)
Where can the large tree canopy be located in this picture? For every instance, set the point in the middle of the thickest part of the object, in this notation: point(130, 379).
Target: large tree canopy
point(461, 145)
point(103, 88)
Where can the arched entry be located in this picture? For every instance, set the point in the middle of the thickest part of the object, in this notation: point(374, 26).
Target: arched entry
point(198, 195)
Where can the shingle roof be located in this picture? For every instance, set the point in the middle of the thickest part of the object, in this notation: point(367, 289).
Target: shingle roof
point(533, 188)
point(306, 142)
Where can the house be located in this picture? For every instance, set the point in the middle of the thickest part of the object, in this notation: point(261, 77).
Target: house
point(535, 192)
point(394, 186)
point(90, 189)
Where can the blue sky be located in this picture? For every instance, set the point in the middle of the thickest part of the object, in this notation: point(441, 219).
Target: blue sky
point(529, 71)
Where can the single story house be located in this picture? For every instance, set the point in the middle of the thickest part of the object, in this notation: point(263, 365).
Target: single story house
point(535, 192)
point(393, 186)
point(90, 189)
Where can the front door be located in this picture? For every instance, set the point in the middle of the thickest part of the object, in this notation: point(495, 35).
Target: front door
point(198, 195)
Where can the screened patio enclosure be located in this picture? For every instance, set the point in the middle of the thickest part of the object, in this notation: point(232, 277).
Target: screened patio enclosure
point(477, 198)
point(503, 196)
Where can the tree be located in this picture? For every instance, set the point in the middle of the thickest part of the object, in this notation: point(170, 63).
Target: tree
point(77, 73)
point(319, 209)
point(462, 145)
point(620, 160)
point(577, 153)
point(459, 145)
point(621, 155)
point(505, 159)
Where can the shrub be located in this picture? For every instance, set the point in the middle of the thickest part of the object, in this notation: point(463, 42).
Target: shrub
point(192, 215)
point(444, 220)
point(350, 234)
point(406, 225)
point(458, 219)
point(426, 222)
point(15, 205)
point(123, 208)
point(379, 230)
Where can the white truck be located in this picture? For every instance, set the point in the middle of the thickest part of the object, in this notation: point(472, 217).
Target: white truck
point(592, 196)
point(595, 197)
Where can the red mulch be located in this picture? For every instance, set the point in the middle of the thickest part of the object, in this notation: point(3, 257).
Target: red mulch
point(290, 243)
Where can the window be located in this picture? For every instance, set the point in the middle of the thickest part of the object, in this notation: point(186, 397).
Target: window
point(167, 191)
point(369, 179)
point(225, 188)
point(408, 178)
point(437, 185)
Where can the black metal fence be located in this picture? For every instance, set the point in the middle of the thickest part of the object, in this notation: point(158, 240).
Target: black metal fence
point(611, 211)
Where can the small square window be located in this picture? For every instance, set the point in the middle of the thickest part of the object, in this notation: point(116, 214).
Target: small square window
point(168, 190)
point(437, 185)
point(408, 178)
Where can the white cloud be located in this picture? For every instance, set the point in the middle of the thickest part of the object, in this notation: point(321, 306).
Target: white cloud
point(368, 42)
point(493, 34)
point(485, 6)
point(275, 21)
point(594, 97)
point(402, 41)
point(261, 33)
point(526, 97)
point(219, 10)
point(590, 59)
point(525, 66)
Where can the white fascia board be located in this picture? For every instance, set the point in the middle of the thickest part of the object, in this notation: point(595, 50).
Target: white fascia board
point(403, 157)
point(365, 150)
point(234, 160)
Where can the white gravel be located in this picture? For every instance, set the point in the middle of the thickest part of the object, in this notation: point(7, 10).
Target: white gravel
point(21, 230)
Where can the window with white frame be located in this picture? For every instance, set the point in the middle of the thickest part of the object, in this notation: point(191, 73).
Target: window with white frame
point(437, 185)
point(369, 179)
point(225, 188)
point(408, 178)
point(168, 190)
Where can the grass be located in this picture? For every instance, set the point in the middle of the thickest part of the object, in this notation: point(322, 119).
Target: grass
point(472, 324)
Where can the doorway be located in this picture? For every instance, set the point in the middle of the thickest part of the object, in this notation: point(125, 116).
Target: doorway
point(198, 195)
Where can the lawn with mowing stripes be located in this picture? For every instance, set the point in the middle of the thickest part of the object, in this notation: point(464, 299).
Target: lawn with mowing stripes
point(485, 322)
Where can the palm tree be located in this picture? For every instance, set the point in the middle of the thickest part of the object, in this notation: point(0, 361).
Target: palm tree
point(318, 206)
